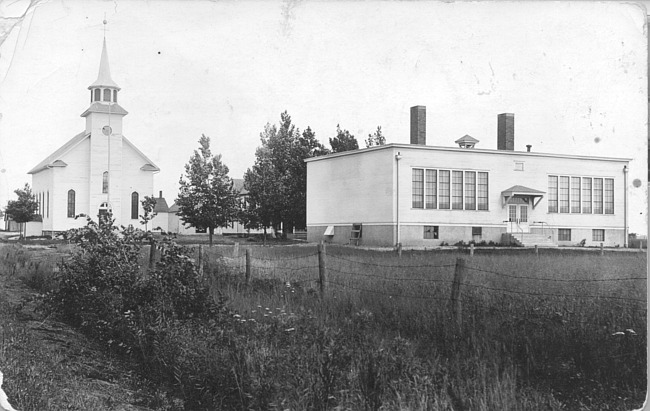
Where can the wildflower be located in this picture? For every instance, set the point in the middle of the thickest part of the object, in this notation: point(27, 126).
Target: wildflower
point(619, 333)
point(237, 316)
point(288, 330)
point(631, 331)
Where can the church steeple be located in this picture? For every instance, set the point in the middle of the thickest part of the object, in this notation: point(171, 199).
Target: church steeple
point(104, 89)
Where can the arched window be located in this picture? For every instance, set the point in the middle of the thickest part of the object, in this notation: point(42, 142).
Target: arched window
point(91, 96)
point(107, 94)
point(98, 94)
point(114, 96)
point(71, 198)
point(105, 182)
point(135, 199)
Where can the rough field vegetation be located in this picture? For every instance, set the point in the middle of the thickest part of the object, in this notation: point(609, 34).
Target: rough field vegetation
point(562, 331)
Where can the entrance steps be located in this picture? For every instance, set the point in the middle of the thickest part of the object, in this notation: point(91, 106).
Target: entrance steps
point(528, 239)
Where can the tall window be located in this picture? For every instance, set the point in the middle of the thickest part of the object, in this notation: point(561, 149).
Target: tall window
point(575, 194)
point(98, 94)
point(608, 196)
point(598, 195)
point(105, 182)
point(482, 191)
point(444, 190)
point(430, 189)
point(114, 96)
point(71, 200)
point(586, 195)
point(552, 194)
point(457, 190)
point(418, 188)
point(107, 94)
point(564, 194)
point(135, 200)
point(470, 190)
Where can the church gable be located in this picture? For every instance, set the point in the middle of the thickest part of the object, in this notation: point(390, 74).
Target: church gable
point(57, 158)
point(135, 158)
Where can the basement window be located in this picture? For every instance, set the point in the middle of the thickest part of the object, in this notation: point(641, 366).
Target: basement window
point(477, 231)
point(598, 235)
point(564, 234)
point(430, 232)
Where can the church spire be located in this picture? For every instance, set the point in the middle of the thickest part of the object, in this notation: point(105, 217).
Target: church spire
point(104, 77)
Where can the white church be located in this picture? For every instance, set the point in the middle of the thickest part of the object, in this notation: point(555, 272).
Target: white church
point(95, 171)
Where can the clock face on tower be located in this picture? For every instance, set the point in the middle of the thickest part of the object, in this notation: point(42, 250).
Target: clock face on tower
point(107, 130)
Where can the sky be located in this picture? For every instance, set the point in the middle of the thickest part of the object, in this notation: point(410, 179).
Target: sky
point(574, 74)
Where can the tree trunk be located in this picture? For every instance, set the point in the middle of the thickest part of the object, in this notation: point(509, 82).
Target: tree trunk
point(264, 240)
point(211, 231)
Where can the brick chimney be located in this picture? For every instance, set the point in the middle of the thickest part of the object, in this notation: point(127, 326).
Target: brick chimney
point(160, 196)
point(419, 125)
point(506, 131)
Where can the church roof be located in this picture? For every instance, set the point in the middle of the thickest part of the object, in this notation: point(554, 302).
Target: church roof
point(98, 107)
point(173, 208)
point(53, 160)
point(104, 77)
point(238, 184)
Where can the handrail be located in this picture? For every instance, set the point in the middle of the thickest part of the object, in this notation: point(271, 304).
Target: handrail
point(522, 232)
point(543, 230)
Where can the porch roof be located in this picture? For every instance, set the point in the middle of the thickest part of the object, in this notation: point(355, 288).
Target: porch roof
point(525, 193)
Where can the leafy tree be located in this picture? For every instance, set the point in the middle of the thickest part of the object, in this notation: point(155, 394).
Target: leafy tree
point(344, 141)
point(22, 210)
point(148, 204)
point(206, 197)
point(277, 182)
point(376, 139)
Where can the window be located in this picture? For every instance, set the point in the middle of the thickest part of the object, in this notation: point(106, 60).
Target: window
point(608, 196)
point(107, 94)
point(135, 199)
point(598, 235)
point(586, 195)
point(105, 182)
point(40, 204)
point(430, 232)
point(91, 96)
point(449, 189)
point(457, 190)
point(114, 96)
point(47, 210)
point(564, 194)
point(477, 231)
point(564, 234)
point(430, 189)
point(575, 194)
point(444, 190)
point(71, 201)
point(418, 188)
point(482, 191)
point(519, 166)
point(470, 190)
point(598, 195)
point(98, 94)
point(552, 194)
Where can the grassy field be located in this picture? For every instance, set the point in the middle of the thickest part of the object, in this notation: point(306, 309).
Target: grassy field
point(562, 330)
point(568, 325)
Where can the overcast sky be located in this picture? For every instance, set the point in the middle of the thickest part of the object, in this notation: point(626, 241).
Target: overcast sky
point(574, 74)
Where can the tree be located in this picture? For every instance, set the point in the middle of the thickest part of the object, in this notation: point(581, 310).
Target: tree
point(376, 139)
point(344, 141)
point(22, 210)
point(206, 198)
point(277, 182)
point(148, 204)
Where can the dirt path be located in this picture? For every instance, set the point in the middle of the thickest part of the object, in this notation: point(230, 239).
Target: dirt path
point(49, 366)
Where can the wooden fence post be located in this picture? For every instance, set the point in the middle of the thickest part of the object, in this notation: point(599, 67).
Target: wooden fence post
point(399, 249)
point(152, 254)
point(536, 250)
point(200, 260)
point(322, 269)
point(602, 250)
point(248, 266)
point(235, 250)
point(459, 275)
point(471, 249)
